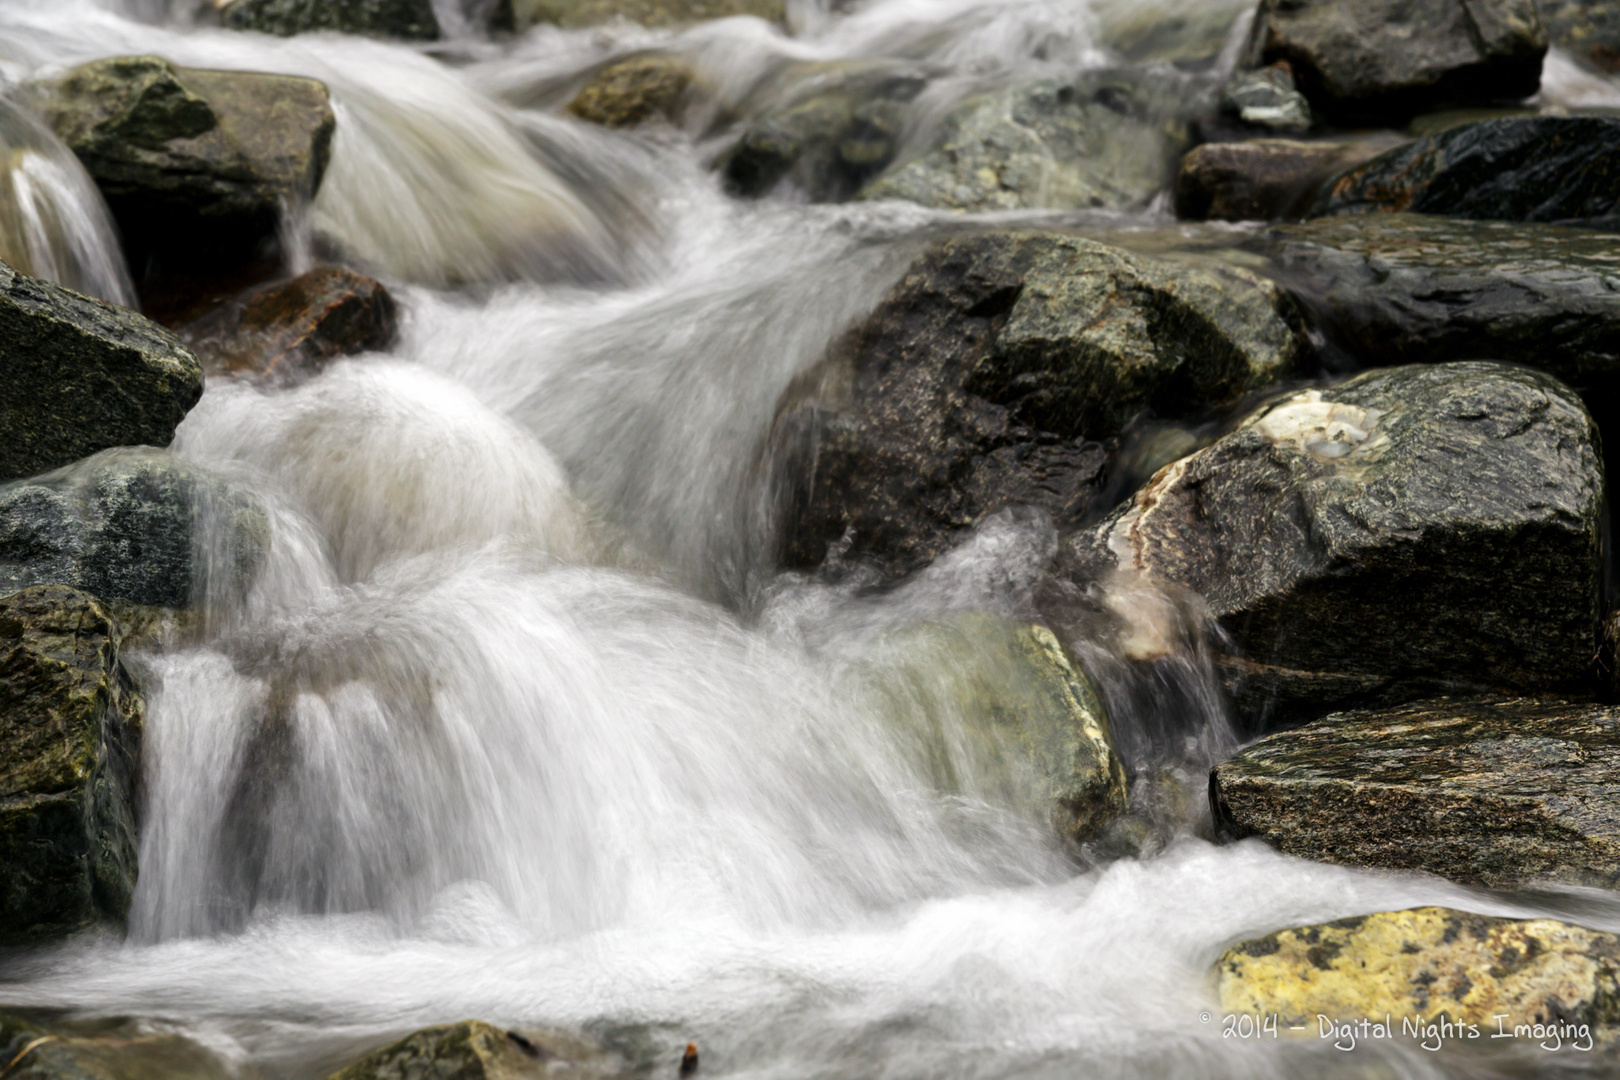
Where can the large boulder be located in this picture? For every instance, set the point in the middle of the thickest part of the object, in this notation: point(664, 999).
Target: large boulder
point(1384, 61)
point(474, 1050)
point(1539, 980)
point(70, 745)
point(1000, 372)
point(1423, 526)
point(196, 165)
point(633, 91)
point(1521, 168)
point(408, 19)
point(572, 14)
point(1100, 143)
point(133, 527)
point(1262, 179)
point(1483, 791)
point(83, 375)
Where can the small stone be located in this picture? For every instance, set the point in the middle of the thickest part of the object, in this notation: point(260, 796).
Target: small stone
point(473, 1050)
point(631, 92)
point(412, 20)
point(1262, 179)
point(1267, 98)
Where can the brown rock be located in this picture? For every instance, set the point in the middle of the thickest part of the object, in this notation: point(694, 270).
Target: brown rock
point(1263, 179)
point(633, 92)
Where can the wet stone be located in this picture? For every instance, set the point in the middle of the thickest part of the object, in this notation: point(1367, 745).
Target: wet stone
point(407, 19)
point(1588, 29)
point(652, 13)
point(473, 1050)
point(1262, 179)
point(634, 91)
point(41, 1049)
point(1267, 98)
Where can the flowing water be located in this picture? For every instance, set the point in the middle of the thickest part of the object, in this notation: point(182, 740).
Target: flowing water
point(520, 722)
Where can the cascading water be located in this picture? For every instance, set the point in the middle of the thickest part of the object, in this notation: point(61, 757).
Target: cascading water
point(519, 723)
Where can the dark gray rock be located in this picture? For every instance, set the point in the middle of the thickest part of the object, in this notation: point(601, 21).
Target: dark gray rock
point(1482, 791)
point(1385, 61)
point(1414, 527)
point(1262, 179)
point(408, 19)
point(1523, 168)
point(132, 527)
point(1267, 98)
point(1588, 29)
point(1000, 372)
point(83, 375)
point(633, 91)
point(70, 743)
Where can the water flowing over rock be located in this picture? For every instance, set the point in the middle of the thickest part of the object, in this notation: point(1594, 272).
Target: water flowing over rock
point(83, 375)
point(630, 92)
point(1000, 372)
point(134, 527)
point(1262, 179)
point(1097, 144)
point(1482, 791)
point(99, 1050)
point(652, 13)
point(1384, 61)
point(196, 165)
point(70, 744)
point(1431, 963)
point(473, 1050)
point(1417, 526)
point(1525, 168)
point(408, 19)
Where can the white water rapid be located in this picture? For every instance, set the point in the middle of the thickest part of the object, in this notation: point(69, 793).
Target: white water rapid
point(520, 723)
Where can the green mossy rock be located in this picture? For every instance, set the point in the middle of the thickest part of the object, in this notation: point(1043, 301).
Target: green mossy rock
point(70, 744)
point(83, 375)
point(634, 91)
point(1000, 372)
point(133, 527)
point(1423, 526)
point(473, 1050)
point(1482, 791)
point(409, 19)
point(651, 13)
point(102, 1050)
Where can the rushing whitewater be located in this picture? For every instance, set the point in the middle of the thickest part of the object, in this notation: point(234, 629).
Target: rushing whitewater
point(520, 722)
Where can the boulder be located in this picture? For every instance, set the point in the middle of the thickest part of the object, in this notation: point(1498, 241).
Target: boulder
point(1000, 372)
point(1521, 168)
point(1415, 527)
point(287, 332)
point(1262, 179)
point(101, 1050)
point(408, 19)
point(1430, 964)
point(196, 165)
point(83, 375)
point(1101, 143)
point(572, 14)
point(70, 745)
point(1497, 792)
point(133, 527)
point(473, 1050)
point(633, 91)
point(1588, 29)
point(1267, 98)
point(1385, 61)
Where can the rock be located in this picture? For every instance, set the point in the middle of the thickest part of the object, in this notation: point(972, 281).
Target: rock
point(828, 130)
point(1497, 792)
point(1588, 29)
point(1000, 372)
point(1524, 168)
point(409, 19)
point(1385, 61)
point(634, 91)
point(196, 165)
point(99, 1050)
point(1267, 98)
point(1263, 179)
point(1427, 963)
point(83, 375)
point(1184, 33)
point(1415, 527)
point(473, 1050)
point(290, 331)
point(651, 13)
point(70, 746)
point(134, 527)
point(1043, 144)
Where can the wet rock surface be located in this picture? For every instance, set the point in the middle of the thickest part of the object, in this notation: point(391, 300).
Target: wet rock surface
point(1589, 29)
point(407, 19)
point(1267, 98)
point(134, 527)
point(70, 742)
point(473, 1050)
point(1262, 179)
point(1526, 168)
point(83, 375)
point(634, 91)
point(1428, 962)
point(41, 1049)
point(1384, 61)
point(1482, 791)
point(652, 13)
point(1000, 372)
point(1412, 527)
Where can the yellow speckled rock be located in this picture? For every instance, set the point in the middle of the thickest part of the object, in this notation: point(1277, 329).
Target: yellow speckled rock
point(1427, 961)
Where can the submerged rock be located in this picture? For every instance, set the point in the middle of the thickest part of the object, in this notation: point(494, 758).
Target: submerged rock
point(1385, 61)
point(1412, 527)
point(999, 372)
point(473, 1050)
point(1522, 168)
point(197, 166)
point(102, 1050)
point(134, 527)
point(1102, 143)
point(1485, 791)
point(1431, 962)
point(409, 19)
point(634, 91)
point(83, 375)
point(652, 13)
point(1262, 179)
point(70, 744)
